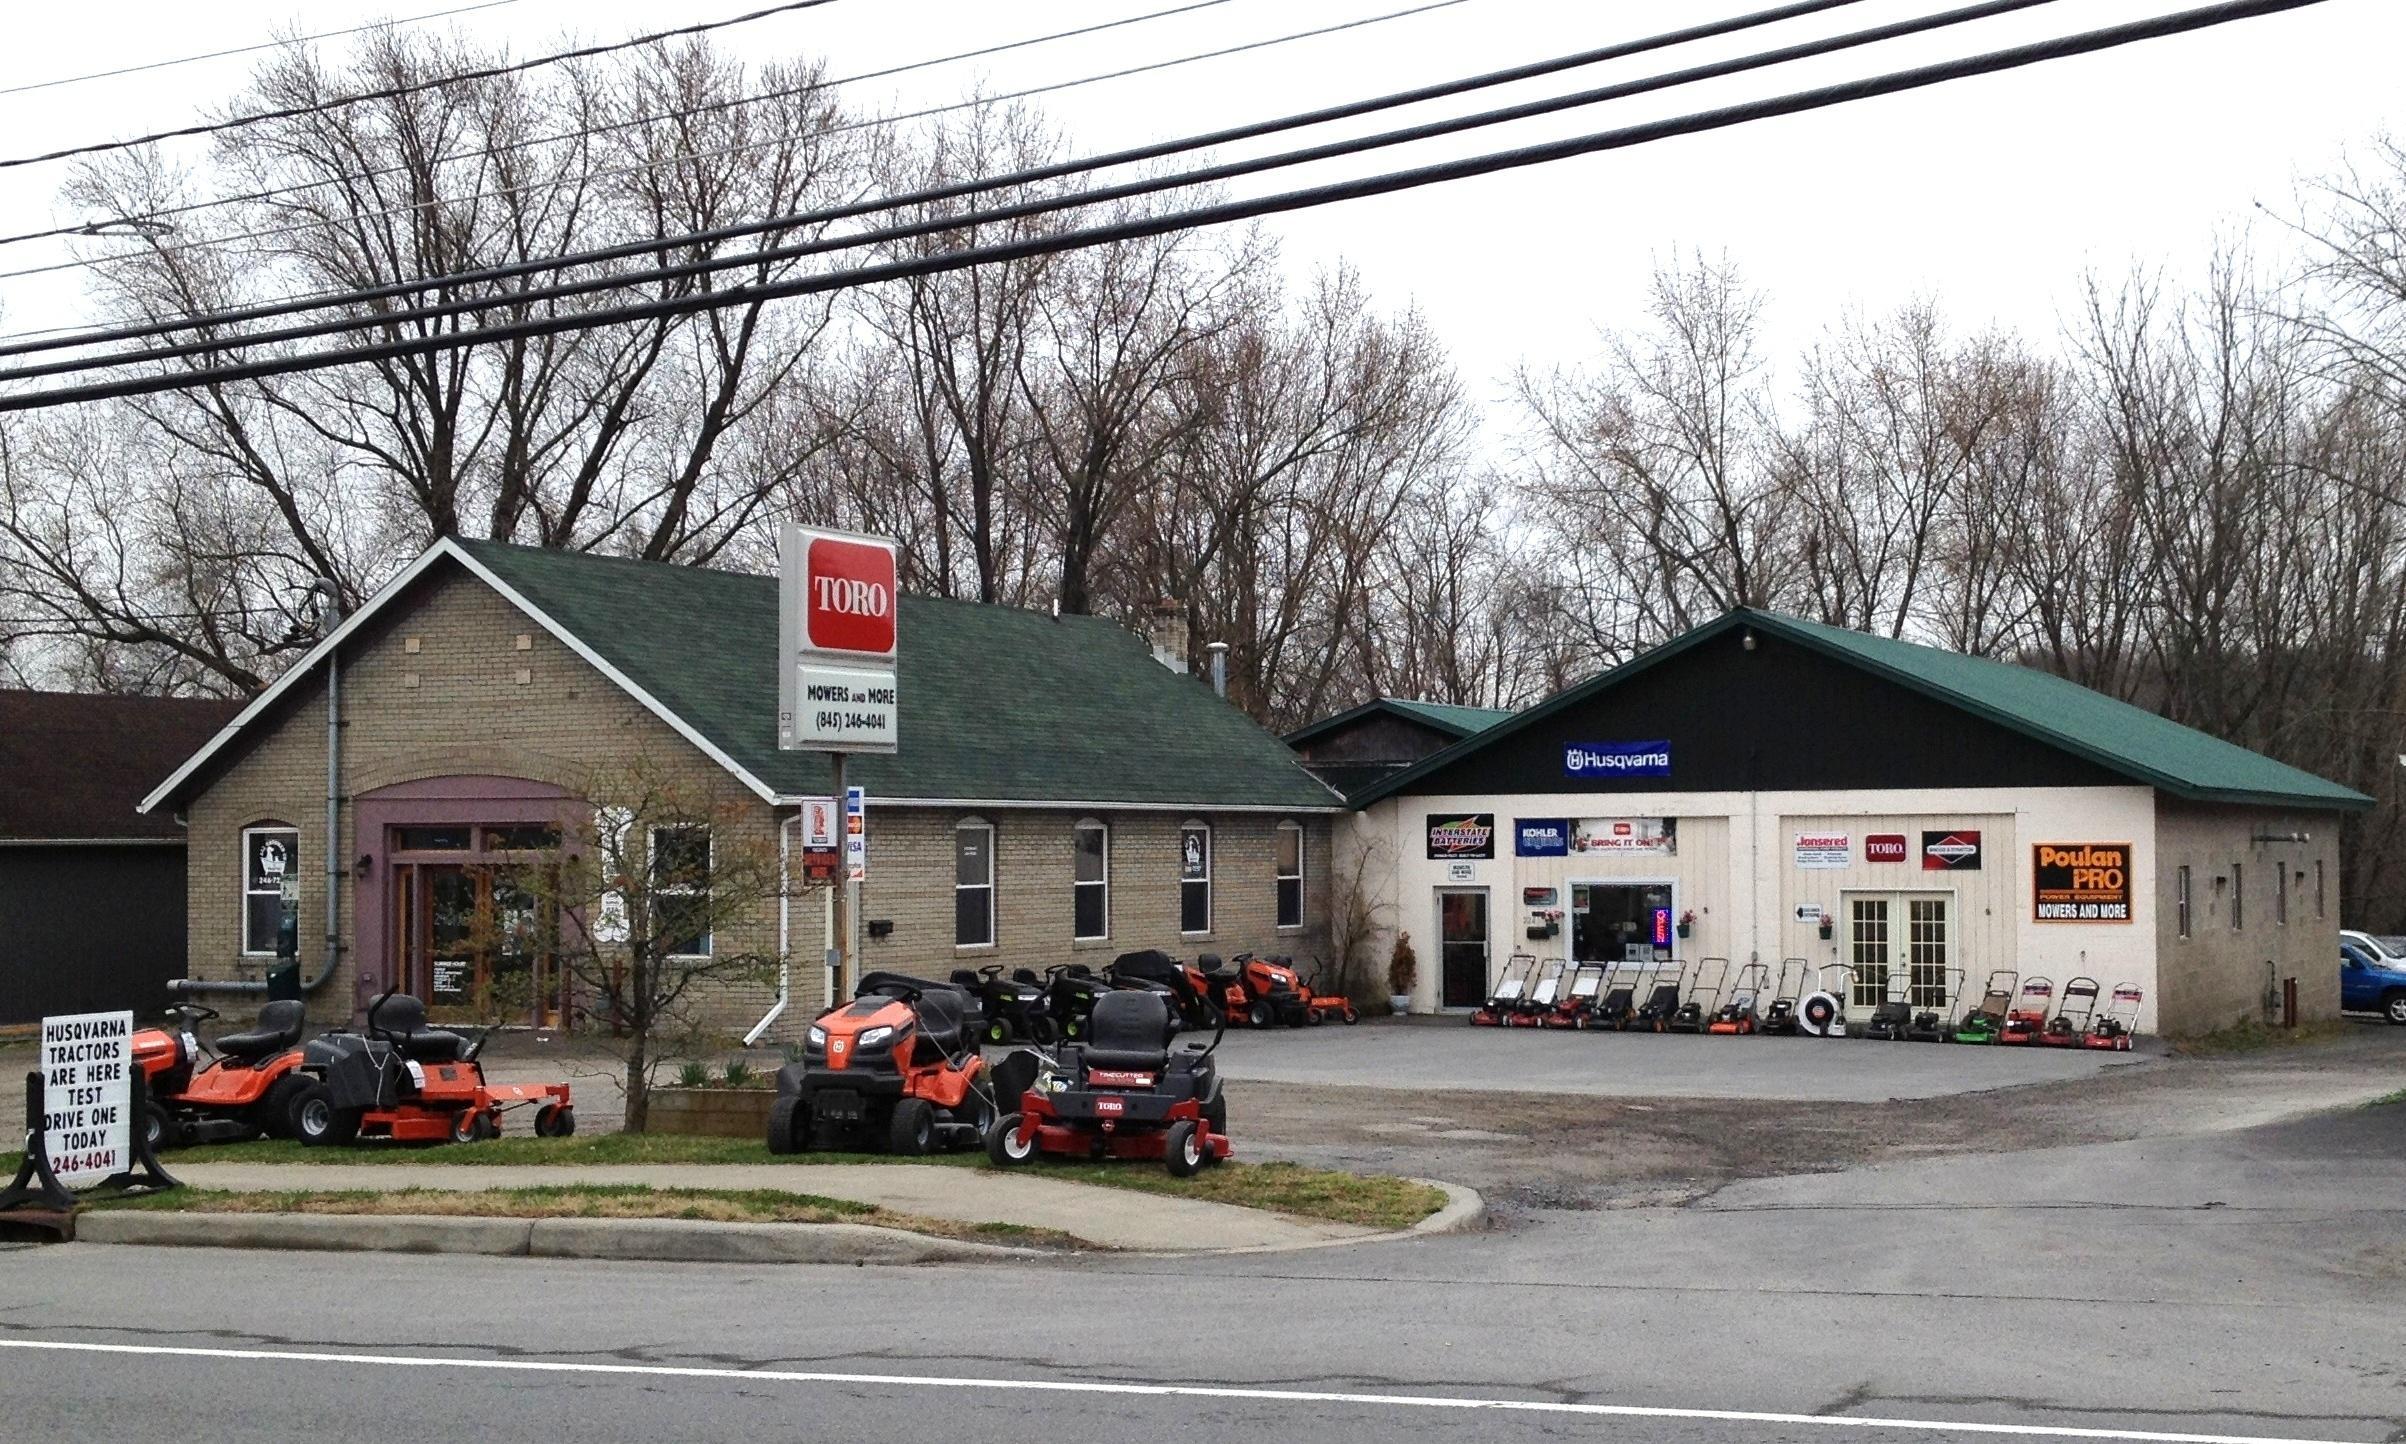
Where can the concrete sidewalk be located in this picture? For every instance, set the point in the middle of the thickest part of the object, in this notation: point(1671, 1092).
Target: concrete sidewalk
point(1115, 1218)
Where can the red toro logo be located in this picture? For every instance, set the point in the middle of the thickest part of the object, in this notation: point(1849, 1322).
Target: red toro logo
point(1885, 847)
point(850, 603)
point(1111, 1105)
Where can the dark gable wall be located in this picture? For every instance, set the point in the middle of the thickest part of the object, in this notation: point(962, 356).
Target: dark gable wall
point(1779, 718)
point(1379, 737)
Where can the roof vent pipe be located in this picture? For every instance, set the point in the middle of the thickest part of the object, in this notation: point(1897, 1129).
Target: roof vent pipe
point(1219, 667)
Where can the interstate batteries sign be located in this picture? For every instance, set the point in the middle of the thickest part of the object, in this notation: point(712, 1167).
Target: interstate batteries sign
point(2080, 882)
point(1462, 835)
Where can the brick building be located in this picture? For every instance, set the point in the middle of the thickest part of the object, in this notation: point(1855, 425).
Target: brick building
point(1059, 794)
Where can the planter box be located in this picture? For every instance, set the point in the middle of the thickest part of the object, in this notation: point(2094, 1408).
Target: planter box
point(711, 1112)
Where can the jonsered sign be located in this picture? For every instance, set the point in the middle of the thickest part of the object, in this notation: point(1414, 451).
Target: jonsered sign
point(1461, 835)
point(839, 601)
point(1950, 851)
point(2080, 882)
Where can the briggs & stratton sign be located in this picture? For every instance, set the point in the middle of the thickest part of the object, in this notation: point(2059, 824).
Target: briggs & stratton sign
point(1957, 851)
point(1616, 759)
point(1461, 835)
point(2080, 882)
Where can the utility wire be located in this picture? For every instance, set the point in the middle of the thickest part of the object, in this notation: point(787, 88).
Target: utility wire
point(672, 115)
point(395, 92)
point(248, 49)
point(954, 190)
point(1142, 227)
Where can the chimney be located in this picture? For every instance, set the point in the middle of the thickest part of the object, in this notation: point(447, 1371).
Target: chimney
point(1219, 667)
point(1165, 628)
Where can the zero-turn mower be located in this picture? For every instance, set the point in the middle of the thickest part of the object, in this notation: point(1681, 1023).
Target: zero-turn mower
point(897, 1066)
point(1121, 1094)
point(405, 1080)
point(250, 1083)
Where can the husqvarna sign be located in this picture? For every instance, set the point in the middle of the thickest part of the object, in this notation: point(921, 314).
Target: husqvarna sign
point(838, 632)
point(1616, 759)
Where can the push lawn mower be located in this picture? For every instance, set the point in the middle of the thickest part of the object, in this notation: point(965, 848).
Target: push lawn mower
point(1702, 1001)
point(1983, 1023)
point(1618, 1009)
point(2113, 1027)
point(1822, 1013)
point(1930, 1024)
point(2027, 1018)
point(413, 1083)
point(2073, 1012)
point(1509, 990)
point(251, 1084)
point(1578, 1006)
point(1737, 1017)
point(1258, 992)
point(1013, 1008)
point(1545, 995)
point(1662, 1001)
point(896, 1066)
point(1123, 1094)
point(1779, 1015)
point(1892, 1015)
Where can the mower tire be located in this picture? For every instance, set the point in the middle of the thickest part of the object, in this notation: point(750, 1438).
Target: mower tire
point(789, 1125)
point(1003, 1146)
point(164, 1131)
point(1042, 1032)
point(1353, 1015)
point(998, 1032)
point(317, 1123)
point(1186, 1151)
point(467, 1126)
point(555, 1120)
point(912, 1129)
point(1258, 1015)
point(279, 1113)
point(1314, 1017)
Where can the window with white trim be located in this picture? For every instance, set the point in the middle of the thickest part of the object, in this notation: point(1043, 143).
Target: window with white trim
point(973, 884)
point(1194, 878)
point(1090, 885)
point(1290, 874)
point(680, 891)
point(271, 852)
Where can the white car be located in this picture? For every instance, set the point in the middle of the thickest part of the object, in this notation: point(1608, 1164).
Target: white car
point(2390, 947)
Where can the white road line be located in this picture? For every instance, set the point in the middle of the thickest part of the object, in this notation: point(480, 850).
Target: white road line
point(1177, 1391)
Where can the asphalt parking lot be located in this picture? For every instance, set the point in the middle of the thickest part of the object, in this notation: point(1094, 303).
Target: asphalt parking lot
point(1446, 1055)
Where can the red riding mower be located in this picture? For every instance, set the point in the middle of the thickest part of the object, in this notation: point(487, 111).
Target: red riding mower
point(1578, 1006)
point(2027, 1018)
point(2113, 1028)
point(1123, 1094)
point(1510, 990)
point(251, 1084)
point(1257, 992)
point(1545, 995)
point(897, 1065)
point(2073, 1012)
point(413, 1083)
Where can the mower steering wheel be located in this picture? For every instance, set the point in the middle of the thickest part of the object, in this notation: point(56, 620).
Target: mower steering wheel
point(191, 1012)
point(992, 972)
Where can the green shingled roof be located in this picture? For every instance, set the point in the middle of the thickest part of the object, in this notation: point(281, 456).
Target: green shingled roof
point(2115, 735)
point(1448, 717)
point(998, 704)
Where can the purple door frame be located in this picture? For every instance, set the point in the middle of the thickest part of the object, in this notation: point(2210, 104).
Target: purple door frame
point(428, 801)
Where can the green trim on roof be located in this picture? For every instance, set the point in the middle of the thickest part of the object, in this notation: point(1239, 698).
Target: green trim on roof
point(1449, 717)
point(999, 704)
point(2115, 735)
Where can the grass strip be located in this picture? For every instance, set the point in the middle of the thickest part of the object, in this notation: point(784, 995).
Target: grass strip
point(2255, 1037)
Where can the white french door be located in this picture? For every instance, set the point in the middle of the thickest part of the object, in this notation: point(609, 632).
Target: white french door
point(1900, 945)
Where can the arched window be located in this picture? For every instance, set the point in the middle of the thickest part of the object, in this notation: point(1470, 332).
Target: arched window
point(1194, 878)
point(973, 883)
point(1290, 874)
point(271, 854)
point(1090, 907)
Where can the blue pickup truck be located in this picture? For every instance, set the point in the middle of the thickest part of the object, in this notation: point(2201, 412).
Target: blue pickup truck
point(2371, 981)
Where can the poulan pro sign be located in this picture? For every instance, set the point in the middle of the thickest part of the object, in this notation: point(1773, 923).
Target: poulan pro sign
point(839, 602)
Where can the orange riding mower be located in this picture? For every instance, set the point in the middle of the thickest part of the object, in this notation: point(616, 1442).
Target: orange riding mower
point(1259, 992)
point(898, 1066)
point(242, 1086)
point(405, 1080)
point(1122, 1094)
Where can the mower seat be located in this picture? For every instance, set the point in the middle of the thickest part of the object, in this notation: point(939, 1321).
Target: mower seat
point(943, 1015)
point(1214, 967)
point(401, 1020)
point(1131, 1033)
point(278, 1029)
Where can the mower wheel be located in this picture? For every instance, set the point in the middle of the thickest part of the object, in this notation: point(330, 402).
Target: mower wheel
point(1258, 1015)
point(317, 1123)
point(1042, 1033)
point(789, 1125)
point(1004, 1148)
point(464, 1126)
point(1185, 1150)
point(912, 1129)
point(164, 1131)
point(998, 1032)
point(279, 1111)
point(1314, 1017)
point(1353, 1015)
point(555, 1120)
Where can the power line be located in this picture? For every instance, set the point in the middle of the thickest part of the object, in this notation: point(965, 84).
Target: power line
point(249, 49)
point(395, 92)
point(934, 194)
point(1142, 227)
point(705, 109)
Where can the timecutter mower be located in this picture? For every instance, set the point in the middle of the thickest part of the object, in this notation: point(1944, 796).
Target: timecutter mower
point(2027, 1018)
point(1510, 989)
point(1984, 1022)
point(896, 1066)
point(2121, 1017)
point(243, 1085)
point(405, 1080)
point(1737, 1017)
point(1121, 1094)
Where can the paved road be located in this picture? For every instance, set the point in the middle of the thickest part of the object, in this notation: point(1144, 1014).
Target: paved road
point(1448, 1055)
point(2244, 1286)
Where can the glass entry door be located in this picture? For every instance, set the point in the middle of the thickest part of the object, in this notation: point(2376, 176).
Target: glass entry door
point(476, 942)
point(1901, 945)
point(1462, 946)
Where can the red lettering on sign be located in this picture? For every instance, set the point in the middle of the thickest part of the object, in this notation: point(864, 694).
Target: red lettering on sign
point(850, 603)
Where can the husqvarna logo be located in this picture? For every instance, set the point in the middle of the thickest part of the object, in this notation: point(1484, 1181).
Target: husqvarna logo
point(1616, 759)
point(838, 1046)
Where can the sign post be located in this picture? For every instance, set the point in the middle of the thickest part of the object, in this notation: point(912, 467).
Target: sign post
point(837, 631)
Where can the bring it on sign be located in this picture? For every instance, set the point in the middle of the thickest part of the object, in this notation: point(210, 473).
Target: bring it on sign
point(838, 628)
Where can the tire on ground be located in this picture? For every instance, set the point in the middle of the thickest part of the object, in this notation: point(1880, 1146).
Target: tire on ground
point(1003, 1146)
point(1185, 1150)
point(789, 1124)
point(912, 1128)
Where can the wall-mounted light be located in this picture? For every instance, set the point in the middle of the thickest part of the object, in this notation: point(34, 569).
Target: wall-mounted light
point(367, 863)
point(1747, 641)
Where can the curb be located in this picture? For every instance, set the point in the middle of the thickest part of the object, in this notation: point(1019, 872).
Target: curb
point(612, 1239)
point(1464, 1212)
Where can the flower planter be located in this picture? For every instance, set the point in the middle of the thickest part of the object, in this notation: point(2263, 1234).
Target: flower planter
point(711, 1112)
point(1399, 1003)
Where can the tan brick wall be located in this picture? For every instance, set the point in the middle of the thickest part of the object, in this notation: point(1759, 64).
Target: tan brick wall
point(2218, 974)
point(457, 705)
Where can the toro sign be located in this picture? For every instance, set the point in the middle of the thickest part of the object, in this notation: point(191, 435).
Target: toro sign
point(838, 600)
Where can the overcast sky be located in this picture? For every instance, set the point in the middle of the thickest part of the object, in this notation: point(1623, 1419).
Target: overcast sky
point(1992, 194)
